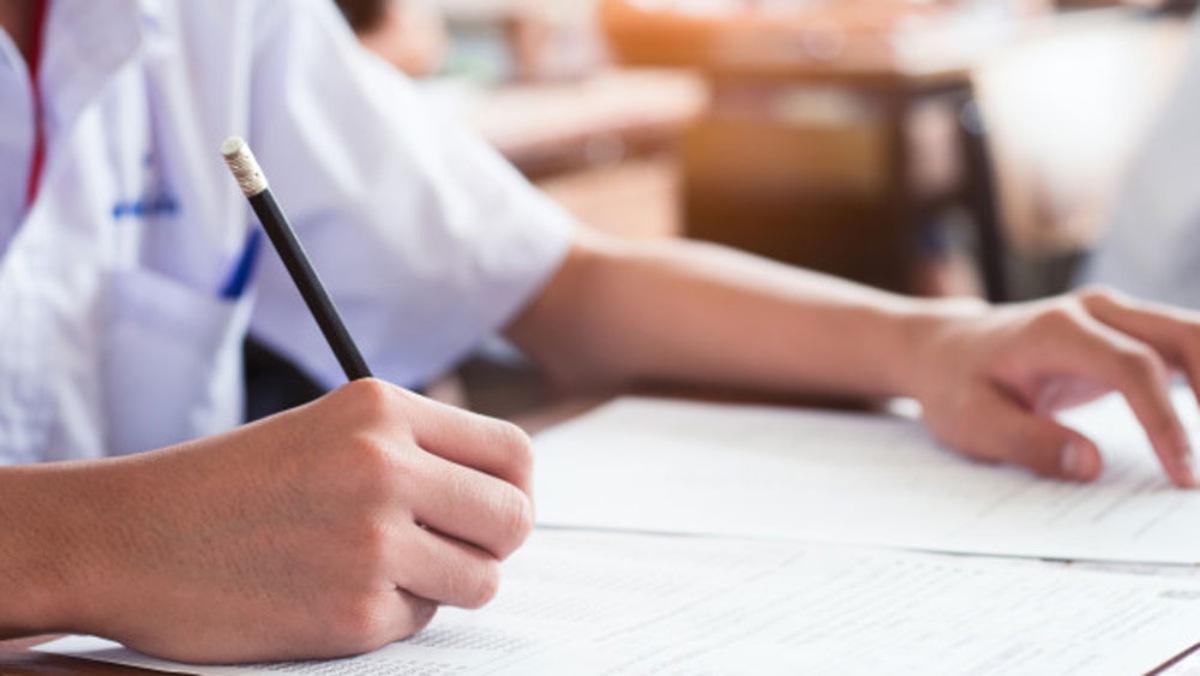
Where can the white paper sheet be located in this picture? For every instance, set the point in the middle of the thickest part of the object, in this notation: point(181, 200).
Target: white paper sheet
point(602, 603)
point(665, 466)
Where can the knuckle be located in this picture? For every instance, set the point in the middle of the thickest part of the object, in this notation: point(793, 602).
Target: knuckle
point(1031, 448)
point(1055, 319)
point(1048, 467)
point(957, 421)
point(360, 624)
point(372, 466)
point(381, 403)
point(1140, 363)
point(983, 451)
point(516, 521)
point(947, 417)
point(371, 543)
point(483, 586)
point(370, 393)
point(421, 613)
point(355, 476)
point(517, 449)
point(1098, 294)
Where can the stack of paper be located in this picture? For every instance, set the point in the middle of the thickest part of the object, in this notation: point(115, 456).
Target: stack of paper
point(586, 603)
point(693, 593)
point(676, 467)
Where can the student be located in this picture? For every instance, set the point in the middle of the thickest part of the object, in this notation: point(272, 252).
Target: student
point(338, 527)
point(1152, 242)
point(410, 34)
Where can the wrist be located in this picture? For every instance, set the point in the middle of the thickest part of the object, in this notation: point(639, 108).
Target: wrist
point(923, 327)
point(57, 548)
point(37, 551)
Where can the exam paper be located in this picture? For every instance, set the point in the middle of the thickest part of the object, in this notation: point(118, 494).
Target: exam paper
point(606, 603)
point(679, 467)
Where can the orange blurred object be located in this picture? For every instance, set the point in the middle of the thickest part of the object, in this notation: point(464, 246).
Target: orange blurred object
point(757, 34)
point(670, 33)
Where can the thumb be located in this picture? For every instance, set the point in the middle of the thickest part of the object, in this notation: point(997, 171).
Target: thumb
point(1005, 431)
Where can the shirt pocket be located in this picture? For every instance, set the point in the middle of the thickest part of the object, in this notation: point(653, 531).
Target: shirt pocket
point(171, 361)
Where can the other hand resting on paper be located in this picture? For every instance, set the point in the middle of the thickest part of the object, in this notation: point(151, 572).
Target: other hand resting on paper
point(328, 530)
point(683, 312)
point(991, 379)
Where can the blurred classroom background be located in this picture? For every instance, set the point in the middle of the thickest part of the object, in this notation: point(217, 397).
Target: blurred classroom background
point(936, 147)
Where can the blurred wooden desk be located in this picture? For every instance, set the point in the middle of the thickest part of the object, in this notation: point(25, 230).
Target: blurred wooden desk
point(549, 128)
point(605, 147)
point(835, 140)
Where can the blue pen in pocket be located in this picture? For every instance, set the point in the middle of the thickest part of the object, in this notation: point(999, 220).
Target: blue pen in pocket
point(243, 270)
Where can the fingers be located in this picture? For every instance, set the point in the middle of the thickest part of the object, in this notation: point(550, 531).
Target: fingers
point(1069, 342)
point(444, 570)
point(1004, 431)
point(1138, 371)
point(462, 475)
point(472, 507)
point(1173, 333)
point(1141, 377)
point(491, 446)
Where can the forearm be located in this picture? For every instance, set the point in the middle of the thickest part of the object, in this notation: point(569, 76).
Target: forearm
point(692, 313)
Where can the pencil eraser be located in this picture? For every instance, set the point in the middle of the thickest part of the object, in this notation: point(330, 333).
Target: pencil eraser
point(245, 168)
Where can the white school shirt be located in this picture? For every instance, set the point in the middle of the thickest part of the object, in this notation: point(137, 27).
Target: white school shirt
point(114, 334)
point(1151, 246)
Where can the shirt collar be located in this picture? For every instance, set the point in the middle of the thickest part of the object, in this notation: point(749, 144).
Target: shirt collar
point(86, 43)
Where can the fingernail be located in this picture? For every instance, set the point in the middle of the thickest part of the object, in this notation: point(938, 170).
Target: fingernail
point(1078, 462)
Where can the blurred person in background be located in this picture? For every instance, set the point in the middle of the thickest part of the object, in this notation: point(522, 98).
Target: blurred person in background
point(1151, 242)
point(410, 34)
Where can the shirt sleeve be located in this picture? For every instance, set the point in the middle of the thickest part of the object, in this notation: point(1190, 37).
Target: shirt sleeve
point(426, 239)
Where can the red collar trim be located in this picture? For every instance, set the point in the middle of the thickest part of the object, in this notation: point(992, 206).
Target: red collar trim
point(35, 63)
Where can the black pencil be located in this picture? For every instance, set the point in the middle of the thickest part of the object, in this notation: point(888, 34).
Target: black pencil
point(254, 186)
